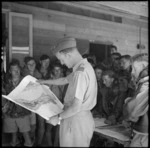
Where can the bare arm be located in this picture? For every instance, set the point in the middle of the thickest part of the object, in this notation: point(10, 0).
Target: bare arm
point(59, 81)
point(136, 107)
point(72, 109)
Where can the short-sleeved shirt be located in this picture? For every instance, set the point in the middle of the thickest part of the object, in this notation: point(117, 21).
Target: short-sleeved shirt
point(82, 85)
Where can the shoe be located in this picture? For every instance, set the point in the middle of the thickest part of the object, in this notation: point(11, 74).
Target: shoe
point(29, 145)
point(14, 145)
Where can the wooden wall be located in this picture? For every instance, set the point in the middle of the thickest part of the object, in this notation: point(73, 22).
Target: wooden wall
point(49, 25)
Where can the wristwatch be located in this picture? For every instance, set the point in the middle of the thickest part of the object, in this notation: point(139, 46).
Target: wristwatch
point(60, 118)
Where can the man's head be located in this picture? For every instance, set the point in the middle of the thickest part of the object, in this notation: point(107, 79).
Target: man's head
point(14, 68)
point(30, 63)
point(116, 63)
point(139, 63)
point(114, 56)
point(113, 49)
point(125, 61)
point(108, 77)
point(66, 51)
point(57, 70)
point(98, 72)
point(45, 61)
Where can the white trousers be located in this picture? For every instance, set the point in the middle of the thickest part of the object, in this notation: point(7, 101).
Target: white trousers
point(77, 131)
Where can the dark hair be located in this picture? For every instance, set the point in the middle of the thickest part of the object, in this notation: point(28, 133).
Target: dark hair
point(117, 59)
point(126, 57)
point(109, 73)
point(27, 59)
point(90, 60)
point(14, 62)
point(116, 54)
point(99, 67)
point(44, 57)
point(56, 64)
point(140, 57)
point(113, 46)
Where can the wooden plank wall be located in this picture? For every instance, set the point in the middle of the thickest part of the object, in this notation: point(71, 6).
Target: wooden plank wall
point(48, 26)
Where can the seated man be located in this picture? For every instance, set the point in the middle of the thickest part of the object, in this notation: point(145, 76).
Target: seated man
point(113, 96)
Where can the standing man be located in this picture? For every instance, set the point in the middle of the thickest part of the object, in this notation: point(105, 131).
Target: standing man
point(76, 121)
point(136, 107)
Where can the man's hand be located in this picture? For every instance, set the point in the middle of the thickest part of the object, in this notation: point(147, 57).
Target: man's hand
point(111, 120)
point(126, 124)
point(54, 120)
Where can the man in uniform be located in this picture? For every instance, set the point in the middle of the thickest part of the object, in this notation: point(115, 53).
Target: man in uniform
point(76, 121)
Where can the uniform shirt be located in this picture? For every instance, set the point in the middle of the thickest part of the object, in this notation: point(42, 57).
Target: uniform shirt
point(82, 85)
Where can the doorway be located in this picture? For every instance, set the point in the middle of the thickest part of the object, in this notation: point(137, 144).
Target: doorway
point(101, 51)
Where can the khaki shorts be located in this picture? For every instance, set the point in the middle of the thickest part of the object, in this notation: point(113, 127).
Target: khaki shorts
point(11, 125)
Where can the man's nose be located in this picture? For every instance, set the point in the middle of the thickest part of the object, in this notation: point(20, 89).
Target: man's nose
point(17, 71)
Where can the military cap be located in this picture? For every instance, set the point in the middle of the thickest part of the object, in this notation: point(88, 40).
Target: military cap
point(65, 43)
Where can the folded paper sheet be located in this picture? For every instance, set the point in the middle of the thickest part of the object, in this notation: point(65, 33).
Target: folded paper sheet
point(36, 98)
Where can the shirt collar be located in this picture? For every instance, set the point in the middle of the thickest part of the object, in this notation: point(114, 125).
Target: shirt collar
point(78, 64)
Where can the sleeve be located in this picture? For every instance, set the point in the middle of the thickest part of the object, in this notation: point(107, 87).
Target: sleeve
point(69, 77)
point(136, 107)
point(104, 92)
point(119, 105)
point(80, 83)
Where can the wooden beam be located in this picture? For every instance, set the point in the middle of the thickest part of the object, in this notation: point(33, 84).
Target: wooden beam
point(62, 15)
point(130, 7)
point(53, 24)
point(76, 16)
point(104, 9)
point(48, 25)
point(135, 23)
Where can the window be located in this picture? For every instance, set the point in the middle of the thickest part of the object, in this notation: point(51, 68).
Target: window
point(20, 36)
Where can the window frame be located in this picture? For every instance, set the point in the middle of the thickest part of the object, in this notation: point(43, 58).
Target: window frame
point(29, 16)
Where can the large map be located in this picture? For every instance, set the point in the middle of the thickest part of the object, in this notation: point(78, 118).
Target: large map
point(36, 98)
